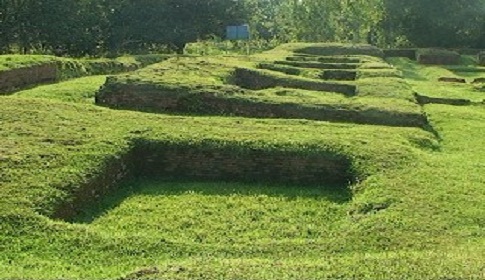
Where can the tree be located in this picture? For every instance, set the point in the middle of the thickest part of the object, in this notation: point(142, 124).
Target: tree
point(426, 23)
point(143, 23)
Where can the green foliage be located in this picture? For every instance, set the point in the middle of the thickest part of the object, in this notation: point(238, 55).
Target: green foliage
point(430, 24)
point(92, 27)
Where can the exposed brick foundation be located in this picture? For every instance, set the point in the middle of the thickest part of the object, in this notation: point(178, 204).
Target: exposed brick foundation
point(246, 165)
point(152, 99)
point(342, 50)
point(319, 65)
point(255, 80)
point(447, 101)
point(159, 159)
point(439, 59)
point(452, 80)
point(340, 75)
point(325, 59)
point(23, 77)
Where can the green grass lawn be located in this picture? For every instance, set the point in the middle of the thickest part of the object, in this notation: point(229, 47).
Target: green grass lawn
point(424, 79)
point(414, 212)
point(81, 90)
point(8, 62)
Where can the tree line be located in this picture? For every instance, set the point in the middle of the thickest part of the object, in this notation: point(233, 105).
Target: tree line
point(100, 27)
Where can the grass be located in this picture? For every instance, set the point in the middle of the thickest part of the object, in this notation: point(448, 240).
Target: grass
point(327, 49)
point(190, 80)
point(424, 80)
point(416, 212)
point(80, 90)
point(68, 68)
point(8, 62)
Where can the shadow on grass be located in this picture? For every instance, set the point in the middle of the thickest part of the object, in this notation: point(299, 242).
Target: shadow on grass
point(176, 187)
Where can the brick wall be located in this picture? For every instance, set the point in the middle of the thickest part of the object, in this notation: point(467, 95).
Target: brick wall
point(153, 99)
point(244, 165)
point(27, 76)
point(159, 159)
point(256, 80)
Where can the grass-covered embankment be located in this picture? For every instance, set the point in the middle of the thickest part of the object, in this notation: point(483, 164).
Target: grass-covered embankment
point(80, 90)
point(18, 72)
point(272, 85)
point(424, 79)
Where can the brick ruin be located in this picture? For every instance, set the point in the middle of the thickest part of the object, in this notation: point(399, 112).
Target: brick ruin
point(150, 159)
point(27, 76)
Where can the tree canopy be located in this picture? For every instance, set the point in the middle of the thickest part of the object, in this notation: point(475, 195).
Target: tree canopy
point(93, 27)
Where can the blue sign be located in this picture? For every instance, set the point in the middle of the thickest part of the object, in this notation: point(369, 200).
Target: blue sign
point(238, 32)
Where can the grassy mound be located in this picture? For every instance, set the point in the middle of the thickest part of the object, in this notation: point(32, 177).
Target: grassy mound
point(19, 72)
point(70, 68)
point(313, 89)
point(81, 90)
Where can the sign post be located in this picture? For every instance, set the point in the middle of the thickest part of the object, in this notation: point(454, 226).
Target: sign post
point(239, 33)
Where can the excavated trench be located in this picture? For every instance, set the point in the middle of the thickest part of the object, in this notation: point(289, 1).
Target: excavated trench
point(20, 78)
point(151, 159)
point(320, 65)
point(339, 75)
point(257, 80)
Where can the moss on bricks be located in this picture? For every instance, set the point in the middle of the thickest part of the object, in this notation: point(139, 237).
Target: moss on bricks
point(325, 59)
point(339, 75)
point(19, 72)
point(319, 65)
point(255, 80)
point(280, 68)
point(274, 103)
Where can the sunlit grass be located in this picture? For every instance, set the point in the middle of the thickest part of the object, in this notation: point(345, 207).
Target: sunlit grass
point(416, 214)
point(424, 80)
point(80, 90)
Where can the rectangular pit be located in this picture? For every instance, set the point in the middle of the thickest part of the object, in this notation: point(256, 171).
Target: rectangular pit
point(339, 75)
point(209, 162)
point(320, 65)
point(256, 80)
